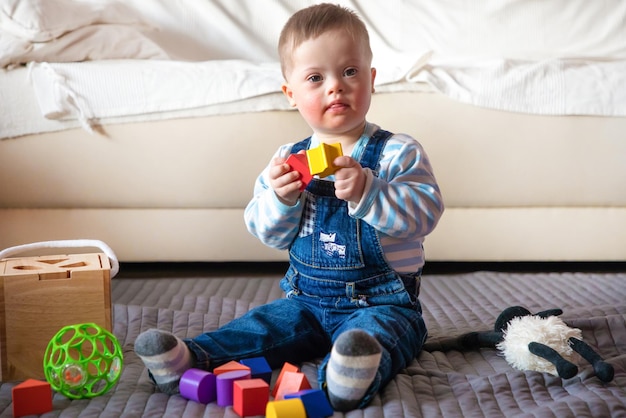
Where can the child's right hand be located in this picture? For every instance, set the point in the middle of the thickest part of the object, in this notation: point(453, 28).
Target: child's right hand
point(284, 181)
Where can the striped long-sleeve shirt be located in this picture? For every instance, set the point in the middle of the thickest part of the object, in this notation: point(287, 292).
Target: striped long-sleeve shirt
point(403, 203)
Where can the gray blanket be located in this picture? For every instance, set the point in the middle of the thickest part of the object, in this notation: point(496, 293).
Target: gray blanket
point(475, 383)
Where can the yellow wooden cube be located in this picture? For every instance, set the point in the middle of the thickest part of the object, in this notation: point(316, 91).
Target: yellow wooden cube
point(41, 295)
point(321, 158)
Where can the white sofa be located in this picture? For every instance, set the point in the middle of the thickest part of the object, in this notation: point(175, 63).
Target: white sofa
point(516, 187)
point(523, 178)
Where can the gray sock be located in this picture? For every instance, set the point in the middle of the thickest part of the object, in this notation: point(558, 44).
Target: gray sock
point(352, 367)
point(166, 356)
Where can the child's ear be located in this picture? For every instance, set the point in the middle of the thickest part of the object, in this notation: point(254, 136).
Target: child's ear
point(289, 94)
point(373, 79)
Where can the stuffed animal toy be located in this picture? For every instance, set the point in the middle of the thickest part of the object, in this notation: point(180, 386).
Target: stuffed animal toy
point(540, 342)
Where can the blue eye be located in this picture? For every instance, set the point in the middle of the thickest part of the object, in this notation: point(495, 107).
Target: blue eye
point(350, 72)
point(315, 78)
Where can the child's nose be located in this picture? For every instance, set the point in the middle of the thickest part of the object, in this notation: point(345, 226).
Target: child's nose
point(335, 85)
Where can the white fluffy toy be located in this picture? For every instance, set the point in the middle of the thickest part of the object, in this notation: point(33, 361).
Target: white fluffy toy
point(541, 342)
point(524, 336)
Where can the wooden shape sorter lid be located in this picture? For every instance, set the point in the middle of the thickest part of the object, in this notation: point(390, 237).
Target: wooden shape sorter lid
point(39, 296)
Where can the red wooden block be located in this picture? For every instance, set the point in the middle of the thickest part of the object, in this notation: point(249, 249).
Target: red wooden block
point(291, 382)
point(231, 366)
point(31, 397)
point(299, 163)
point(287, 367)
point(250, 397)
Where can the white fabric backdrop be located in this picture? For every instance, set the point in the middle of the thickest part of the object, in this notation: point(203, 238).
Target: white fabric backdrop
point(175, 56)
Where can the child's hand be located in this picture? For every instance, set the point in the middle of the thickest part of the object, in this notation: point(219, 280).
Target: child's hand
point(349, 179)
point(284, 181)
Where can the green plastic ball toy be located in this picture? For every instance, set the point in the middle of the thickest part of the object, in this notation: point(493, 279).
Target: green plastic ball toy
point(83, 361)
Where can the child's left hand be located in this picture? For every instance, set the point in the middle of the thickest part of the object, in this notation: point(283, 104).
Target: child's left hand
point(349, 179)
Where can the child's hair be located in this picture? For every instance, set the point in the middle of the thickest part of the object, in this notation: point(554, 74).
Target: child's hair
point(315, 20)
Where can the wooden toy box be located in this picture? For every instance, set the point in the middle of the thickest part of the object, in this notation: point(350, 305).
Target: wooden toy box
point(39, 296)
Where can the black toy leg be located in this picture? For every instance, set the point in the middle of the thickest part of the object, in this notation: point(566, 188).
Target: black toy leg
point(502, 321)
point(603, 370)
point(549, 312)
point(564, 368)
point(474, 340)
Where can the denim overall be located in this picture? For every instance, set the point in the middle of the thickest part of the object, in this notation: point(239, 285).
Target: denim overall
point(337, 280)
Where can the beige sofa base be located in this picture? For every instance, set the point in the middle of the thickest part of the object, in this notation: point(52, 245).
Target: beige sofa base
point(471, 234)
point(517, 187)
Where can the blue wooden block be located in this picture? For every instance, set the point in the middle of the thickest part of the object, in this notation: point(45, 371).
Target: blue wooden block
point(259, 368)
point(315, 403)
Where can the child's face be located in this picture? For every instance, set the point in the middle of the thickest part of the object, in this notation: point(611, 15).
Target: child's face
point(330, 81)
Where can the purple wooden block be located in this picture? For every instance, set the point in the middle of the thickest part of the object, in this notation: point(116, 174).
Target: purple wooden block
point(225, 383)
point(198, 385)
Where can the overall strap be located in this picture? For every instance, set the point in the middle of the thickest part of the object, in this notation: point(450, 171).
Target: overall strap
point(374, 149)
point(302, 145)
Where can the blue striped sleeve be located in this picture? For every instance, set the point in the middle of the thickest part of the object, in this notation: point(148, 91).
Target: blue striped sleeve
point(267, 218)
point(404, 201)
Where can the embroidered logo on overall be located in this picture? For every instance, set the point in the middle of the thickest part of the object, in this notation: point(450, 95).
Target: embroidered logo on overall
point(330, 247)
